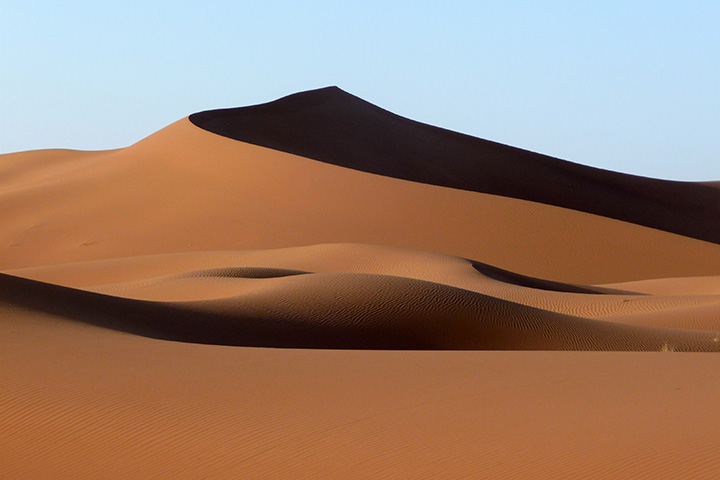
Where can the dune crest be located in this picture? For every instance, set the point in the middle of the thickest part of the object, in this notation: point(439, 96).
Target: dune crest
point(360, 296)
point(336, 127)
point(183, 189)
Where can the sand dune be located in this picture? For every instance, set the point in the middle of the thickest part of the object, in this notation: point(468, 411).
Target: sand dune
point(282, 308)
point(218, 275)
point(336, 127)
point(363, 251)
point(185, 189)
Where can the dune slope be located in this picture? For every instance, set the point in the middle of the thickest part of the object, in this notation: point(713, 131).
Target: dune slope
point(185, 189)
point(336, 127)
point(358, 296)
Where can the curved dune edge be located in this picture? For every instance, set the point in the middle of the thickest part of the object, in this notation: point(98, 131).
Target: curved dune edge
point(381, 313)
point(336, 127)
point(215, 275)
point(366, 297)
point(184, 189)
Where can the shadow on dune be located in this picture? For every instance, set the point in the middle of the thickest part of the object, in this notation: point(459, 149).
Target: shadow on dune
point(178, 322)
point(513, 278)
point(349, 311)
point(336, 127)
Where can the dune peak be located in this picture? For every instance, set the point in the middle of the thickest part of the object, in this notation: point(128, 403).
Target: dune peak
point(333, 126)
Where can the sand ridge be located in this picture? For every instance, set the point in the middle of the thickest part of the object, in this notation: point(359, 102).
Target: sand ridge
point(185, 189)
point(136, 285)
point(336, 127)
point(198, 276)
point(360, 296)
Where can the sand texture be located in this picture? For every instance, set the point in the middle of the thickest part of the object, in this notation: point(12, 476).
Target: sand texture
point(318, 288)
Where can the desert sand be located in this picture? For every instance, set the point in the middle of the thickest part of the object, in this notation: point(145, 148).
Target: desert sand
point(318, 288)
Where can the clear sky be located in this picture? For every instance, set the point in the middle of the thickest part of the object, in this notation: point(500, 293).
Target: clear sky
point(631, 86)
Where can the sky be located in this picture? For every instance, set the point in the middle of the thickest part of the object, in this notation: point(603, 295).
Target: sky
point(630, 86)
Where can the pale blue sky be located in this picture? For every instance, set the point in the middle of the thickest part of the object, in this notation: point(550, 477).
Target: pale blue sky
point(631, 86)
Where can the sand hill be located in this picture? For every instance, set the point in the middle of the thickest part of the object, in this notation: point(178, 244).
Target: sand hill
point(367, 250)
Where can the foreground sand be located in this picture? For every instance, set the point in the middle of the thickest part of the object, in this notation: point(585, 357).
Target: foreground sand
point(82, 402)
point(136, 286)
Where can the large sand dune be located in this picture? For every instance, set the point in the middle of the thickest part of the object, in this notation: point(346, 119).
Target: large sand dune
point(185, 189)
point(136, 285)
point(335, 127)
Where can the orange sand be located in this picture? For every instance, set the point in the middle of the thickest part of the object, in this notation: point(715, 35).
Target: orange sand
point(136, 285)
